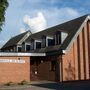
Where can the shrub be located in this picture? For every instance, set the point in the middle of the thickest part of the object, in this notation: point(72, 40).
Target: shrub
point(9, 84)
point(24, 82)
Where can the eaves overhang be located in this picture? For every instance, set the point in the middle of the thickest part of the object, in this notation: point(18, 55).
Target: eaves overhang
point(21, 54)
point(57, 52)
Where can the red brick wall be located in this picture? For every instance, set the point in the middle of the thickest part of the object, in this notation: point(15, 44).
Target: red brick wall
point(88, 28)
point(15, 72)
point(75, 61)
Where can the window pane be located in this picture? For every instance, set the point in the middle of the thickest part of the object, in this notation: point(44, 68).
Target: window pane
point(51, 42)
point(58, 38)
point(19, 49)
point(38, 45)
point(27, 47)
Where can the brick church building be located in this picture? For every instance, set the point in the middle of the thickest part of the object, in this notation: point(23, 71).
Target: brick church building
point(59, 53)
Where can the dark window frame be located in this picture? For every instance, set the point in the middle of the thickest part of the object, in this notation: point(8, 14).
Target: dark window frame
point(51, 42)
point(28, 47)
point(19, 48)
point(39, 45)
point(58, 38)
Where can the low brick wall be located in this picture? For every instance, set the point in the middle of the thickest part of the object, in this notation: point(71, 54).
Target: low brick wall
point(14, 69)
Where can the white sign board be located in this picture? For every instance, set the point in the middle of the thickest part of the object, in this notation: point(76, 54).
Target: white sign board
point(11, 61)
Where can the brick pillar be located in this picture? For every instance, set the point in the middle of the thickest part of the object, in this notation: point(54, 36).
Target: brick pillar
point(60, 68)
point(86, 52)
point(88, 36)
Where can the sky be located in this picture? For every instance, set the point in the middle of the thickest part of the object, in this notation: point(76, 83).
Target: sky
point(53, 11)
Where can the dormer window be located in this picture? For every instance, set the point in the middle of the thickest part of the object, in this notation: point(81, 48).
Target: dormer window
point(63, 36)
point(27, 47)
point(43, 41)
point(58, 38)
point(37, 44)
point(19, 48)
point(49, 41)
point(34, 44)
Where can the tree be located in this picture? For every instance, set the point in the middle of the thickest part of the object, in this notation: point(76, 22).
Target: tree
point(3, 7)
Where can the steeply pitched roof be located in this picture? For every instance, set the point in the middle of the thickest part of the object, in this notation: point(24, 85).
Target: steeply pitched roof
point(73, 27)
point(14, 40)
point(70, 27)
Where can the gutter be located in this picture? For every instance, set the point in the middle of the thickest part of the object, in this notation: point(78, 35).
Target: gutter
point(21, 54)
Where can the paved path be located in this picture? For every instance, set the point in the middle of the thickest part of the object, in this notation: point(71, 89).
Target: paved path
point(81, 85)
point(45, 85)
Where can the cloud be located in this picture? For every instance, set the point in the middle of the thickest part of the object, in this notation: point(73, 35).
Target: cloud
point(37, 23)
point(45, 4)
point(54, 12)
point(56, 16)
point(22, 30)
point(40, 4)
point(71, 11)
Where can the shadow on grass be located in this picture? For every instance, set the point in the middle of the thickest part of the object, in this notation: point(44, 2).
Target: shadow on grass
point(65, 86)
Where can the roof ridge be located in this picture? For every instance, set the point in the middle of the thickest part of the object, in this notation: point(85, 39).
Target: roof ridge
point(14, 40)
point(63, 23)
point(19, 34)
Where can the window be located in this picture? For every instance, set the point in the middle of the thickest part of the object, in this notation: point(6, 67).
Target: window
point(28, 47)
point(53, 65)
point(38, 45)
point(51, 42)
point(19, 49)
point(58, 38)
point(63, 36)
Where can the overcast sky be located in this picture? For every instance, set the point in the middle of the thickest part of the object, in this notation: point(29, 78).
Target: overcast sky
point(54, 12)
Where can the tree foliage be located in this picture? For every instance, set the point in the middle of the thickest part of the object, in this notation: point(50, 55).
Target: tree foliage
point(3, 7)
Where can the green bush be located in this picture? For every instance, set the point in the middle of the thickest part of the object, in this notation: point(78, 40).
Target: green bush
point(24, 82)
point(9, 84)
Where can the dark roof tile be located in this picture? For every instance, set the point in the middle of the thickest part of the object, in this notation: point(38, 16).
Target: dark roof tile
point(70, 27)
point(14, 40)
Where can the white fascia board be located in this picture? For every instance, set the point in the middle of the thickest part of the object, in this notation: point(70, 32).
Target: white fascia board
point(21, 54)
point(38, 41)
point(38, 54)
point(48, 37)
point(26, 43)
point(24, 37)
